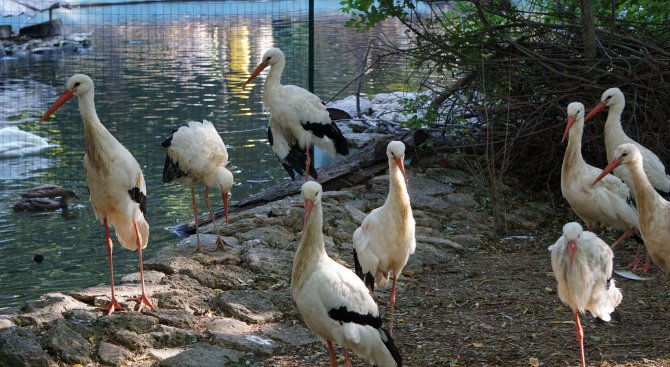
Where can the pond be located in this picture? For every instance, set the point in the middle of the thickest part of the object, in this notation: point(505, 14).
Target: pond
point(155, 67)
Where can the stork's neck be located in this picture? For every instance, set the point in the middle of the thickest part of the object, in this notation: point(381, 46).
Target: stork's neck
point(645, 194)
point(273, 80)
point(573, 153)
point(398, 195)
point(311, 246)
point(94, 131)
point(614, 134)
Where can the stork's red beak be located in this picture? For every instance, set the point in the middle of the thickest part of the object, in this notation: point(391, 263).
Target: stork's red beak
point(571, 121)
point(597, 108)
point(401, 166)
point(571, 252)
point(610, 167)
point(225, 204)
point(308, 210)
point(64, 97)
point(255, 73)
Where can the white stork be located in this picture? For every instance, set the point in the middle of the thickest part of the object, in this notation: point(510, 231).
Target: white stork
point(609, 202)
point(115, 182)
point(654, 169)
point(652, 208)
point(582, 265)
point(385, 239)
point(196, 155)
point(298, 119)
point(333, 301)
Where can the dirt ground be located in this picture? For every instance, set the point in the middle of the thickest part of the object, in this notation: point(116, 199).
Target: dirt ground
point(496, 305)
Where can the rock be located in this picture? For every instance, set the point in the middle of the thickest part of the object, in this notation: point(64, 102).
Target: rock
point(348, 105)
point(179, 318)
point(356, 214)
point(113, 355)
point(249, 306)
point(19, 348)
point(266, 260)
point(5, 323)
point(358, 140)
point(132, 321)
point(223, 277)
point(427, 186)
point(150, 277)
point(168, 336)
point(462, 200)
point(292, 334)
point(442, 242)
point(274, 236)
point(235, 334)
point(66, 343)
point(196, 355)
point(46, 309)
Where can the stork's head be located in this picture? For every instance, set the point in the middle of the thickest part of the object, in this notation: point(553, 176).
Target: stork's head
point(77, 85)
point(395, 151)
point(270, 57)
point(627, 154)
point(311, 194)
point(611, 98)
point(575, 115)
point(572, 232)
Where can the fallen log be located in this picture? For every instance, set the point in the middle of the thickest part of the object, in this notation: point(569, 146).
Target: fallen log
point(364, 164)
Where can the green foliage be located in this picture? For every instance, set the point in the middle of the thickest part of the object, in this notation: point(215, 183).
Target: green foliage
point(366, 13)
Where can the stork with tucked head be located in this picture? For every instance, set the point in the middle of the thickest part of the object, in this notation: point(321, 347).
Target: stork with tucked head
point(582, 265)
point(196, 155)
point(386, 239)
point(298, 119)
point(653, 210)
point(609, 202)
point(115, 181)
point(333, 301)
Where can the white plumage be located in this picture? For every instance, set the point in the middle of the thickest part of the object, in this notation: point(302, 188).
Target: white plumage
point(582, 265)
point(609, 202)
point(15, 142)
point(115, 181)
point(653, 210)
point(298, 119)
point(654, 169)
point(385, 239)
point(196, 155)
point(333, 301)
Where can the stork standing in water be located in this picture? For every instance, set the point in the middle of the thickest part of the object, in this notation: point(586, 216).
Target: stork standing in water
point(613, 99)
point(298, 119)
point(196, 155)
point(653, 210)
point(582, 265)
point(115, 181)
point(609, 202)
point(385, 239)
point(333, 301)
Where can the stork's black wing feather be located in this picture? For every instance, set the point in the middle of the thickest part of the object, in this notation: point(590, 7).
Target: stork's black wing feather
point(171, 169)
point(138, 196)
point(294, 162)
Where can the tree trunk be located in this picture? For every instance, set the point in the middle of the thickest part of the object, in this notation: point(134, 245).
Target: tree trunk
point(589, 30)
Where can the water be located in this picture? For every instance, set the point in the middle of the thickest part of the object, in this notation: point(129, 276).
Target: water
point(155, 66)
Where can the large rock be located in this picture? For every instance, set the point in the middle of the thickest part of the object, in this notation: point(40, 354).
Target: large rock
point(291, 333)
point(113, 355)
point(196, 355)
point(273, 237)
point(67, 344)
point(235, 334)
point(47, 308)
point(19, 348)
point(250, 306)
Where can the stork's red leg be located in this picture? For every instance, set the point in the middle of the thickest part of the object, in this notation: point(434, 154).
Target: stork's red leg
point(224, 196)
point(647, 264)
point(142, 299)
point(346, 357)
point(219, 241)
point(113, 304)
point(198, 248)
point(636, 261)
point(580, 338)
point(626, 234)
point(331, 353)
point(392, 303)
point(308, 161)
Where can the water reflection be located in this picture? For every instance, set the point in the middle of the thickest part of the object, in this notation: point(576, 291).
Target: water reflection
point(152, 74)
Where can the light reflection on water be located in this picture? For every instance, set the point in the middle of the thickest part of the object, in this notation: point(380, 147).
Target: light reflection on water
point(151, 75)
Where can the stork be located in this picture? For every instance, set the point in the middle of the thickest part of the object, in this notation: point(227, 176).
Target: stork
point(654, 169)
point(196, 155)
point(115, 182)
point(609, 202)
point(582, 265)
point(653, 210)
point(298, 119)
point(385, 239)
point(333, 301)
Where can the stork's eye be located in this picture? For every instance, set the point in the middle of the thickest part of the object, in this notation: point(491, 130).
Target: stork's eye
point(608, 97)
point(268, 59)
point(624, 154)
point(76, 84)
